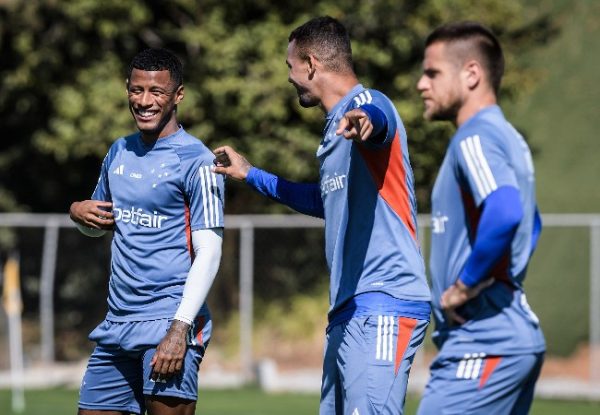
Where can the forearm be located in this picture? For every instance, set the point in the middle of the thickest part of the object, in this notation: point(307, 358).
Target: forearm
point(207, 245)
point(379, 122)
point(302, 197)
point(501, 214)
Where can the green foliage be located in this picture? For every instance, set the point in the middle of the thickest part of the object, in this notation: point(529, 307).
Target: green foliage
point(560, 117)
point(62, 103)
point(62, 72)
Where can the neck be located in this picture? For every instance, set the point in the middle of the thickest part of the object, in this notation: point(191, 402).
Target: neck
point(171, 127)
point(473, 106)
point(335, 88)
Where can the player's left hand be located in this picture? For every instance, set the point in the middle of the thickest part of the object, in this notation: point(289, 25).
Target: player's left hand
point(170, 352)
point(458, 294)
point(355, 125)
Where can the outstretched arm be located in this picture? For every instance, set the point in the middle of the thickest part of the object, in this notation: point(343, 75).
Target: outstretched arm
point(302, 197)
point(367, 123)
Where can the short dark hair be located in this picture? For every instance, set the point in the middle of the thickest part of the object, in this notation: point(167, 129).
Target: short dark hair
point(158, 60)
point(481, 39)
point(328, 40)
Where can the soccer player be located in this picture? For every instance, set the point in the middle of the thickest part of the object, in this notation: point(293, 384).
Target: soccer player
point(379, 296)
point(158, 194)
point(485, 226)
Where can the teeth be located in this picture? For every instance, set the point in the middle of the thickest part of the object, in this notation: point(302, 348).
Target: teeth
point(145, 113)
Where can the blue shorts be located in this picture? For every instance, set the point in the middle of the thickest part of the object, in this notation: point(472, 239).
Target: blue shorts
point(118, 372)
point(367, 363)
point(480, 384)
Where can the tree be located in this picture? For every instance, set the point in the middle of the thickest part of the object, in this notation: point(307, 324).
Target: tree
point(62, 103)
point(63, 66)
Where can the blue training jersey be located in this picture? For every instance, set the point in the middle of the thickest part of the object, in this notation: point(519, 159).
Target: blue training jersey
point(160, 194)
point(486, 153)
point(370, 210)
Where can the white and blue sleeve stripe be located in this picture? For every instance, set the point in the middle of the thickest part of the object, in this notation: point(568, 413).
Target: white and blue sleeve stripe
point(211, 202)
point(478, 166)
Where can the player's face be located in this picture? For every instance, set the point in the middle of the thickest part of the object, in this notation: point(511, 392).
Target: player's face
point(152, 100)
point(300, 76)
point(440, 85)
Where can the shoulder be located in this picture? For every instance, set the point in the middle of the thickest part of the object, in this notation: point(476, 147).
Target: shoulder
point(192, 150)
point(369, 96)
point(121, 144)
point(484, 132)
point(124, 142)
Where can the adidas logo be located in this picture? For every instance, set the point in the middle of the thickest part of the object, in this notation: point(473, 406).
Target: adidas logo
point(119, 170)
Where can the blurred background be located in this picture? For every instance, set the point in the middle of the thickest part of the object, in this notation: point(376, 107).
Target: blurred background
point(63, 102)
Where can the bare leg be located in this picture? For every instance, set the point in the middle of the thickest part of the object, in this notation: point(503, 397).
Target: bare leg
point(169, 405)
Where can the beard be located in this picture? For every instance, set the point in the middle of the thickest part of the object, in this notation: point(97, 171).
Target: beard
point(448, 112)
point(305, 98)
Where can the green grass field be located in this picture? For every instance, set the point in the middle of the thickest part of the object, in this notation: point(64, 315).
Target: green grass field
point(253, 402)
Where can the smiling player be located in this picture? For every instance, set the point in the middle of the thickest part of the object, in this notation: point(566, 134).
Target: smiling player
point(157, 192)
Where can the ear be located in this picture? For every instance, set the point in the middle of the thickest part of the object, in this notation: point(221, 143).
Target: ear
point(473, 74)
point(179, 94)
point(312, 65)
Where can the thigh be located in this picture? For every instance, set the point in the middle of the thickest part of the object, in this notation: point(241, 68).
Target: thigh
point(168, 405)
point(112, 382)
point(331, 395)
point(375, 361)
point(479, 384)
point(184, 385)
point(525, 398)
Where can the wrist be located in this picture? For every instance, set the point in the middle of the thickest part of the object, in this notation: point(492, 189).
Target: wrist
point(72, 211)
point(250, 174)
point(179, 326)
point(460, 285)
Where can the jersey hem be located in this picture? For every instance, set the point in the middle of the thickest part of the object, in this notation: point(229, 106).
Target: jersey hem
point(134, 319)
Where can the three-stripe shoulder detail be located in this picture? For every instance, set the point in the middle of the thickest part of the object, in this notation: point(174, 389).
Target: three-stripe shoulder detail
point(210, 197)
point(478, 166)
point(363, 98)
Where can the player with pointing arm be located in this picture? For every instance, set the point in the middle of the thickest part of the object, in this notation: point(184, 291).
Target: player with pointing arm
point(379, 299)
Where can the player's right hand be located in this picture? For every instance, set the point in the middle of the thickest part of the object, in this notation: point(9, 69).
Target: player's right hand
point(231, 163)
point(94, 214)
point(355, 125)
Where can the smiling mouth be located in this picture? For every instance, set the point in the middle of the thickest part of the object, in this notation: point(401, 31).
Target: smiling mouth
point(145, 114)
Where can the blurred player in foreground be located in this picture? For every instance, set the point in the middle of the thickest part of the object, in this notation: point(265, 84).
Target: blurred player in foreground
point(378, 291)
point(485, 226)
point(158, 193)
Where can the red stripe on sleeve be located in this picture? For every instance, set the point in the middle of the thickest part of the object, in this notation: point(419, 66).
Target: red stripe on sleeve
point(406, 326)
point(489, 366)
point(188, 231)
point(200, 321)
point(387, 169)
point(500, 270)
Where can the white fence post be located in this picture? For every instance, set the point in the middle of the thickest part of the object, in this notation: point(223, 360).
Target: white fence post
point(246, 297)
point(47, 291)
point(595, 301)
